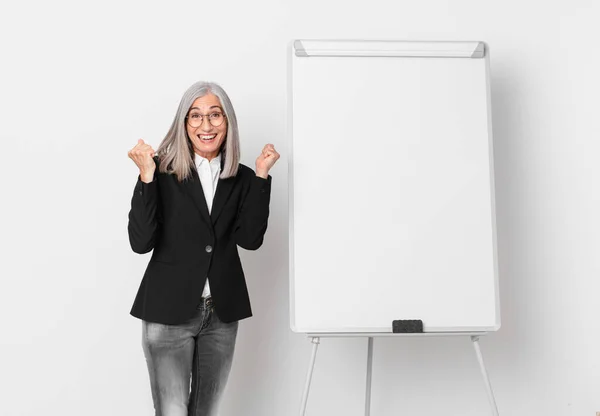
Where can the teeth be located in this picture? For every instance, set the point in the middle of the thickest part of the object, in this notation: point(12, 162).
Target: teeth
point(208, 137)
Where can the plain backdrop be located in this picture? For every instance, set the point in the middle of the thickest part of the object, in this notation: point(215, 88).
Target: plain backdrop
point(80, 82)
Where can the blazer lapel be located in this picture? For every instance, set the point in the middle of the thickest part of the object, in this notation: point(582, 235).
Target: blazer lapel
point(224, 188)
point(194, 188)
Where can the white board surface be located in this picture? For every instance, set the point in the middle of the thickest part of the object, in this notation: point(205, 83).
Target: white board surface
point(391, 187)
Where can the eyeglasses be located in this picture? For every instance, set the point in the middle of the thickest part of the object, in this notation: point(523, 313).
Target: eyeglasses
point(196, 119)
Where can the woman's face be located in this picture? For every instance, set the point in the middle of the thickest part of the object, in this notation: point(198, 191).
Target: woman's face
point(205, 137)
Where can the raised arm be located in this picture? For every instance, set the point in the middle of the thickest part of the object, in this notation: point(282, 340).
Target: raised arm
point(252, 218)
point(143, 224)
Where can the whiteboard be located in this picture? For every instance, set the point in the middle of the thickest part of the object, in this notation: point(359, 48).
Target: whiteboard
point(391, 187)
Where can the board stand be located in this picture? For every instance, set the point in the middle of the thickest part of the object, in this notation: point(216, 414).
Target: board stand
point(316, 339)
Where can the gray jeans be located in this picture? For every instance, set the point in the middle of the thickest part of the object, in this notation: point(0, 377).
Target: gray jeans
point(202, 349)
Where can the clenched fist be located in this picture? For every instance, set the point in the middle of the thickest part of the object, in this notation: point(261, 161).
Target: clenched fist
point(266, 160)
point(142, 154)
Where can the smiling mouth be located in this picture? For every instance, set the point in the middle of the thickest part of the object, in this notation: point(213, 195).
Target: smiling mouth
point(207, 137)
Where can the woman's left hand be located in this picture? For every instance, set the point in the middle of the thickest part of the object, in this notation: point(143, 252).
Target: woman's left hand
point(266, 160)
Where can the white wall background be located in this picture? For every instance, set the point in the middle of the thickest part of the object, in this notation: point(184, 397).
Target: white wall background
point(81, 82)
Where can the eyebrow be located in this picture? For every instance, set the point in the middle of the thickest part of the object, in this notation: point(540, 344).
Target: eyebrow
point(214, 106)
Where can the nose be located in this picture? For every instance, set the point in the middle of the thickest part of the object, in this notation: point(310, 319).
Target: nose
point(206, 126)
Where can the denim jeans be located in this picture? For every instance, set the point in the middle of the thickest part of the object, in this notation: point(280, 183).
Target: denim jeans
point(202, 349)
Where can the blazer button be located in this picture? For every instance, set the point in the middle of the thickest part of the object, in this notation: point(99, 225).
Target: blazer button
point(208, 249)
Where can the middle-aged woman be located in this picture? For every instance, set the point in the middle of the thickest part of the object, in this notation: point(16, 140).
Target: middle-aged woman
point(193, 204)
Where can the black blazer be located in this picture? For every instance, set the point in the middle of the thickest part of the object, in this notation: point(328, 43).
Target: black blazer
point(190, 245)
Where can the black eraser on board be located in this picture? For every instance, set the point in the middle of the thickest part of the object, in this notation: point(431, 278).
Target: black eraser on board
point(402, 326)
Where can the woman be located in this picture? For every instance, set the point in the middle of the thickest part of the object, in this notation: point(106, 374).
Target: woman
point(193, 204)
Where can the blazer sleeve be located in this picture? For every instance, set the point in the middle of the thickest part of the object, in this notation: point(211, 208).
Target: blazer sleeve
point(143, 222)
point(253, 216)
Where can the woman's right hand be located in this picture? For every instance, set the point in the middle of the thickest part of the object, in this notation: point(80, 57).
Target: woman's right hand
point(142, 154)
